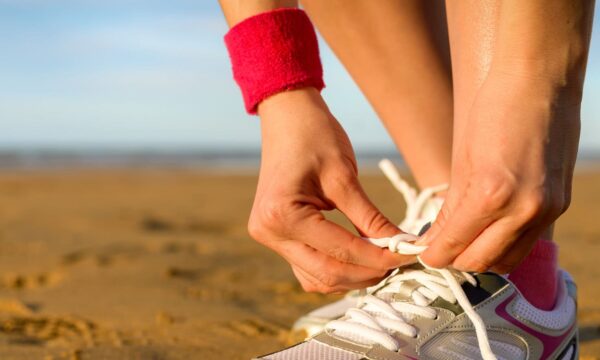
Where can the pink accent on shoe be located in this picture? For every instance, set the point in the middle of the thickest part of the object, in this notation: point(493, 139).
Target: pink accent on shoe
point(537, 276)
point(551, 343)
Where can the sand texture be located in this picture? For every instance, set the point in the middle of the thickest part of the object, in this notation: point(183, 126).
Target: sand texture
point(157, 264)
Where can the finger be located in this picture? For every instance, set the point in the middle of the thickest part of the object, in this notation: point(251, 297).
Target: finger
point(328, 271)
point(311, 284)
point(340, 244)
point(508, 234)
point(489, 247)
point(518, 252)
point(461, 226)
point(368, 220)
point(308, 282)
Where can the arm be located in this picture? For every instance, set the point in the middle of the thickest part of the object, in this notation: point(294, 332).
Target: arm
point(238, 10)
point(308, 166)
point(513, 165)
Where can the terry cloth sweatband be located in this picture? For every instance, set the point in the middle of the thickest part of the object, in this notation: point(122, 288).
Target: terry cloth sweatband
point(273, 52)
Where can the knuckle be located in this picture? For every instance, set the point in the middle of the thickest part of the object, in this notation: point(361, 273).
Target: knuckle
point(269, 217)
point(494, 192)
point(274, 213)
point(374, 221)
point(534, 206)
point(341, 254)
point(342, 181)
point(329, 278)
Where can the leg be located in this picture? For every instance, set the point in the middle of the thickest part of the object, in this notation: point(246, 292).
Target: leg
point(397, 52)
point(472, 27)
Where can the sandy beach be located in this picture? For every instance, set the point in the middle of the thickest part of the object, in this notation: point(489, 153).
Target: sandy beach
point(157, 264)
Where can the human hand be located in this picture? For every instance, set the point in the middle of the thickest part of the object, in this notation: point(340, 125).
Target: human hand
point(308, 166)
point(511, 175)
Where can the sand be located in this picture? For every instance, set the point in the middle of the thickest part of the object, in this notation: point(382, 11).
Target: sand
point(157, 264)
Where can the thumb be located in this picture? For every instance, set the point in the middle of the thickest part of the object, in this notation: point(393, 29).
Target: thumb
point(366, 218)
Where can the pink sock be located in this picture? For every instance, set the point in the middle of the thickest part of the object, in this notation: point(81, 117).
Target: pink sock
point(537, 276)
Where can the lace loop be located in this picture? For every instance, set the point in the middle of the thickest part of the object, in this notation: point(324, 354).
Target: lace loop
point(375, 319)
point(416, 204)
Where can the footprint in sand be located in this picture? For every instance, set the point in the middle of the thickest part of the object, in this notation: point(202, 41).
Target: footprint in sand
point(253, 328)
point(73, 258)
point(16, 307)
point(46, 329)
point(174, 272)
point(30, 281)
point(102, 256)
point(156, 224)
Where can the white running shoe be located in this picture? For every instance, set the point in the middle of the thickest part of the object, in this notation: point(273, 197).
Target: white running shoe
point(421, 208)
point(424, 313)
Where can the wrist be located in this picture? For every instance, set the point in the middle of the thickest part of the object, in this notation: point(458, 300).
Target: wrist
point(299, 122)
point(302, 104)
point(274, 52)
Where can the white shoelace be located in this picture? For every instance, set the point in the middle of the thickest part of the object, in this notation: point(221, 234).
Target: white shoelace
point(415, 202)
point(374, 319)
point(416, 205)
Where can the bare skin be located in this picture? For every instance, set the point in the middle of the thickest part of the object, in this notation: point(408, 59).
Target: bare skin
point(517, 121)
point(516, 100)
point(397, 52)
point(308, 166)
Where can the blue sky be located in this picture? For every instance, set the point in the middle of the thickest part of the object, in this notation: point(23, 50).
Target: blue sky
point(155, 74)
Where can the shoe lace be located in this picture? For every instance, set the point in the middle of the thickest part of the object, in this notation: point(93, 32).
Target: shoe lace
point(415, 202)
point(375, 318)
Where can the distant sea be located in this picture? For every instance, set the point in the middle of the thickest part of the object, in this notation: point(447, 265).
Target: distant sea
point(242, 159)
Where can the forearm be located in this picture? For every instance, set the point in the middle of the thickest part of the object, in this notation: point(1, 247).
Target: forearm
point(238, 10)
point(545, 41)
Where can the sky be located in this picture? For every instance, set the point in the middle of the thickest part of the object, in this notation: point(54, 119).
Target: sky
point(154, 74)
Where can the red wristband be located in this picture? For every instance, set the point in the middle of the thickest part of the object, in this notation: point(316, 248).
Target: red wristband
point(273, 52)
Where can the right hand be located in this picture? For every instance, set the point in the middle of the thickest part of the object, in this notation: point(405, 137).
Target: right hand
point(308, 166)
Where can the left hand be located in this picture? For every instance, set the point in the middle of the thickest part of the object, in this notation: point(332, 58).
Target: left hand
point(511, 175)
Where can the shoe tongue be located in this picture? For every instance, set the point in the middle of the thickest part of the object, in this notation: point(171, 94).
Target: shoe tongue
point(403, 290)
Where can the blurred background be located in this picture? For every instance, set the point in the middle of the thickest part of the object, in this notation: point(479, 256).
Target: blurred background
point(127, 172)
point(154, 76)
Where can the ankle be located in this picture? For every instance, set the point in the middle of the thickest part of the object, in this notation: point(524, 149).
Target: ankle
point(537, 276)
